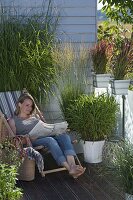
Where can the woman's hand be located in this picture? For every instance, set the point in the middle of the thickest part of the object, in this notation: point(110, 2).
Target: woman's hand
point(25, 140)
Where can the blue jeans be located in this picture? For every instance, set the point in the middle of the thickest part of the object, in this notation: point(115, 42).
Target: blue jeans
point(60, 146)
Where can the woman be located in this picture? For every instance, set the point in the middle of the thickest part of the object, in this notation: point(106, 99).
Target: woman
point(60, 145)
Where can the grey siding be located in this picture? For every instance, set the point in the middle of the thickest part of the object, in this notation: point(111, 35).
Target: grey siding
point(77, 17)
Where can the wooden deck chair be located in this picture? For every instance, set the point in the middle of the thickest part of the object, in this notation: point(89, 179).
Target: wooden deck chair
point(7, 106)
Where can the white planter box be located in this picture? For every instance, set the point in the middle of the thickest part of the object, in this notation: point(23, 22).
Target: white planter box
point(101, 80)
point(120, 87)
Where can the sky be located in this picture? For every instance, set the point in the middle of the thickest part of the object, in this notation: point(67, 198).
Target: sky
point(99, 5)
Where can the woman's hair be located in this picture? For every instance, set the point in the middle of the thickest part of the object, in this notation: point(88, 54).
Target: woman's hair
point(21, 99)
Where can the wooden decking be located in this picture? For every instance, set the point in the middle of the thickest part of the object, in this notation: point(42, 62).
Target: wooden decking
point(60, 186)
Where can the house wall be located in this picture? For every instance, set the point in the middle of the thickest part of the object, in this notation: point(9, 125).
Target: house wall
point(77, 23)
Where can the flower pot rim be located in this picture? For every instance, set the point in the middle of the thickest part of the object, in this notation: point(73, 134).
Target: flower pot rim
point(120, 80)
point(92, 141)
point(105, 74)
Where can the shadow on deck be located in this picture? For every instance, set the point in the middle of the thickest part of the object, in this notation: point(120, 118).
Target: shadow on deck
point(60, 186)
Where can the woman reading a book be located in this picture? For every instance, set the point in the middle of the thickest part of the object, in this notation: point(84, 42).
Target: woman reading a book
point(25, 121)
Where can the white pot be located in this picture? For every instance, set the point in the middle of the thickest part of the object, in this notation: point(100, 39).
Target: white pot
point(128, 196)
point(101, 80)
point(93, 151)
point(120, 87)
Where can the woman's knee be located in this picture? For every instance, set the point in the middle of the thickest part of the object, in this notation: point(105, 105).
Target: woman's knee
point(50, 141)
point(64, 137)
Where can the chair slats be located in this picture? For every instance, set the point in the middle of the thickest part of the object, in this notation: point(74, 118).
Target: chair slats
point(8, 102)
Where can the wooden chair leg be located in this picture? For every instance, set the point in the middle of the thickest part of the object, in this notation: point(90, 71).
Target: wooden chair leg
point(78, 160)
point(53, 170)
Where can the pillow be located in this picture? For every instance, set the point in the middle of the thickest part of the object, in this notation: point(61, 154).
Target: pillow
point(43, 129)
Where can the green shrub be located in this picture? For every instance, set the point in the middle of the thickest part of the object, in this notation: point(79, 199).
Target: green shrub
point(94, 117)
point(8, 154)
point(118, 161)
point(123, 163)
point(25, 51)
point(9, 164)
point(8, 189)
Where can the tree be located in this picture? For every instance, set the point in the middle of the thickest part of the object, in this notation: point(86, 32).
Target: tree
point(118, 10)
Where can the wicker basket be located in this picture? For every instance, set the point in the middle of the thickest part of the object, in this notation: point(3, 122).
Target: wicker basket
point(4, 133)
point(26, 171)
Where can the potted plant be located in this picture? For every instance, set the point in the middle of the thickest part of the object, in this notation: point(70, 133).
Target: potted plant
point(8, 189)
point(94, 118)
point(119, 162)
point(121, 63)
point(99, 56)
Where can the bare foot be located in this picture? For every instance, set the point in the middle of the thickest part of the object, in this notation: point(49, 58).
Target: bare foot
point(79, 174)
point(76, 171)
